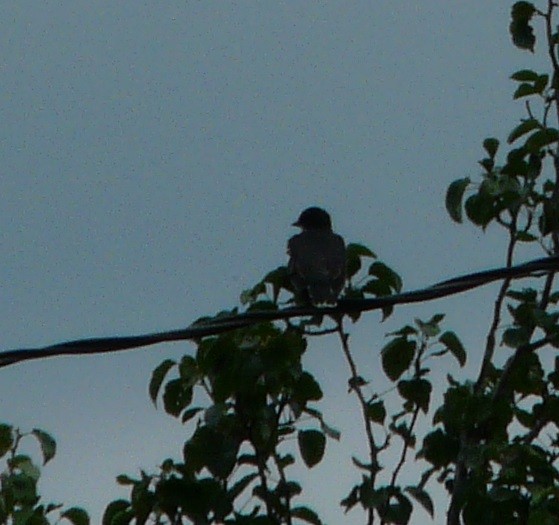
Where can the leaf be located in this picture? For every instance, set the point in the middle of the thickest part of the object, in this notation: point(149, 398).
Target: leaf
point(241, 485)
point(306, 389)
point(250, 295)
point(278, 278)
point(450, 340)
point(306, 514)
point(76, 515)
point(423, 498)
point(113, 509)
point(541, 83)
point(354, 253)
point(359, 250)
point(525, 90)
point(517, 336)
point(491, 145)
point(259, 306)
point(356, 382)
point(525, 237)
point(188, 370)
point(397, 356)
point(47, 443)
point(189, 414)
point(377, 288)
point(331, 432)
point(176, 397)
point(123, 479)
point(386, 275)
point(521, 31)
point(312, 444)
point(540, 139)
point(371, 468)
point(454, 196)
point(480, 209)
point(28, 469)
point(430, 328)
point(400, 511)
point(418, 391)
point(406, 330)
point(439, 448)
point(157, 378)
point(525, 75)
point(6, 439)
point(524, 127)
point(351, 499)
point(376, 412)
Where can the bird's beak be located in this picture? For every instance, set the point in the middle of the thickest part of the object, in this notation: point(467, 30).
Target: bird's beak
point(296, 223)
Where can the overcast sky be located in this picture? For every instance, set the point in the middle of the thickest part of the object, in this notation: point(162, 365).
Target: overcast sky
point(154, 155)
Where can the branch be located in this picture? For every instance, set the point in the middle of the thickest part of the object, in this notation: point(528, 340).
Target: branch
point(490, 342)
point(356, 387)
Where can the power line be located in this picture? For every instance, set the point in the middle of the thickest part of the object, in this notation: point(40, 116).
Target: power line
point(218, 325)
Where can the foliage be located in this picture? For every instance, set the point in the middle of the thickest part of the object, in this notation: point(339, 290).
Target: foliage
point(245, 395)
point(19, 499)
point(495, 446)
point(253, 410)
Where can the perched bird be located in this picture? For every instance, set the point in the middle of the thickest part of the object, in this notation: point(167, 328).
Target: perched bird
point(317, 258)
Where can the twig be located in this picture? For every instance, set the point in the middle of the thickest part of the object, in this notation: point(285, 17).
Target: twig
point(373, 449)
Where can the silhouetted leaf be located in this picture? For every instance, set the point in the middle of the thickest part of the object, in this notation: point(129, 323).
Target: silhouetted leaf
point(6, 439)
point(123, 479)
point(47, 443)
point(439, 448)
point(376, 411)
point(491, 145)
point(525, 75)
point(386, 275)
point(76, 515)
point(188, 370)
point(423, 498)
point(331, 432)
point(525, 90)
point(541, 138)
point(176, 397)
point(480, 209)
point(306, 514)
point(278, 279)
point(118, 512)
point(520, 29)
point(157, 378)
point(354, 253)
point(306, 389)
point(524, 127)
point(418, 391)
point(397, 356)
point(241, 485)
point(454, 196)
point(190, 413)
point(516, 336)
point(450, 340)
point(312, 444)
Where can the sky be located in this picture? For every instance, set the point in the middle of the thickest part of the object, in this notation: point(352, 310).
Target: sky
point(154, 156)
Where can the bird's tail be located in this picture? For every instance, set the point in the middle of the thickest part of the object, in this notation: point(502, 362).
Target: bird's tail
point(321, 292)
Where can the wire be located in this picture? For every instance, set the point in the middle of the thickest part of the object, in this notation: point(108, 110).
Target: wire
point(215, 326)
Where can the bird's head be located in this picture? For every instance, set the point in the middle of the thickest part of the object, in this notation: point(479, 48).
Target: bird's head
point(314, 219)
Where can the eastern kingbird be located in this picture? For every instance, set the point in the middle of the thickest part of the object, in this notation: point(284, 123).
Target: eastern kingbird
point(317, 258)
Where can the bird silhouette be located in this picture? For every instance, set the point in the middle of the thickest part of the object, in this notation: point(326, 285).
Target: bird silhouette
point(317, 259)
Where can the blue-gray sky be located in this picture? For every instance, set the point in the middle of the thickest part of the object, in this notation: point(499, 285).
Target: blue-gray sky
point(154, 155)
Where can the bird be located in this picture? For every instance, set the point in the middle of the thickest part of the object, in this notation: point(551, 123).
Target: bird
point(317, 258)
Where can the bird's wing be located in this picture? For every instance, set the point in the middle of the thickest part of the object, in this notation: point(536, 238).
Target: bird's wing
point(337, 256)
